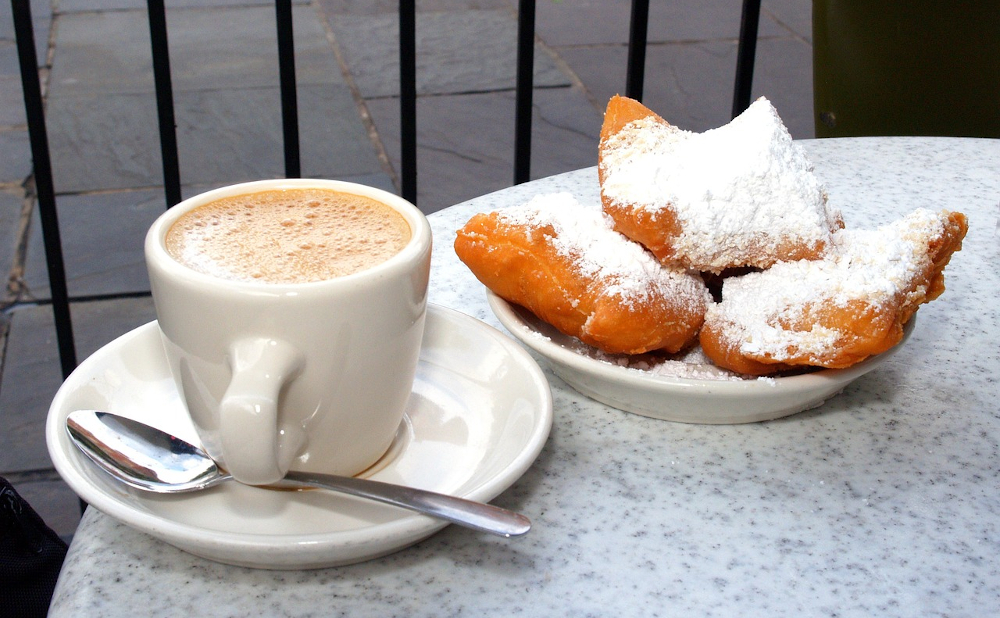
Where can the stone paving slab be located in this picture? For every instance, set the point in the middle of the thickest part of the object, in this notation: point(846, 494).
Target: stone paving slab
point(103, 117)
point(55, 503)
point(102, 243)
point(41, 20)
point(78, 6)
point(391, 7)
point(11, 99)
point(465, 143)
point(109, 52)
point(692, 85)
point(15, 155)
point(11, 204)
point(10, 65)
point(31, 377)
point(31, 370)
point(604, 22)
point(457, 52)
point(231, 136)
point(565, 132)
point(104, 142)
point(112, 141)
point(11, 102)
point(379, 180)
point(101, 53)
point(793, 15)
point(784, 75)
point(245, 54)
point(100, 323)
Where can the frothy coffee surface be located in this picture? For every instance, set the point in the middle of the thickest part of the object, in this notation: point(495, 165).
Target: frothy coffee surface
point(287, 236)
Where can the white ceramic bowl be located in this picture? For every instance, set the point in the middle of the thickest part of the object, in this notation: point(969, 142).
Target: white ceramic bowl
point(680, 399)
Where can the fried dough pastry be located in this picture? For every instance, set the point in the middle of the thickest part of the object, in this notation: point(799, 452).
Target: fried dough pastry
point(566, 264)
point(740, 195)
point(837, 311)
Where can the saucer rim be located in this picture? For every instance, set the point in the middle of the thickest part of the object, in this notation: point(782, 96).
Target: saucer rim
point(228, 547)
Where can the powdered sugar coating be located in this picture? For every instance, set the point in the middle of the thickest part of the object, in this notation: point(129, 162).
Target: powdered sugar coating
point(882, 268)
point(616, 265)
point(690, 365)
point(740, 190)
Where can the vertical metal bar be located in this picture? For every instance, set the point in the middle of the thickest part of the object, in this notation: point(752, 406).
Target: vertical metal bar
point(164, 101)
point(38, 137)
point(524, 90)
point(636, 68)
point(745, 54)
point(408, 99)
point(289, 100)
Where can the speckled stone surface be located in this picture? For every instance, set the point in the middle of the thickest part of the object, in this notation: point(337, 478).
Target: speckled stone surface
point(882, 502)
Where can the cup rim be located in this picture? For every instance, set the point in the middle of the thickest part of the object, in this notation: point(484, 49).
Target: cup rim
point(420, 234)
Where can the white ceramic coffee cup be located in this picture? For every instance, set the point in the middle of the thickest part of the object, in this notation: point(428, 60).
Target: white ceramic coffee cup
point(304, 376)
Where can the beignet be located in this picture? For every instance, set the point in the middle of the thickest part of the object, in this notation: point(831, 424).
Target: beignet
point(739, 195)
point(836, 311)
point(566, 264)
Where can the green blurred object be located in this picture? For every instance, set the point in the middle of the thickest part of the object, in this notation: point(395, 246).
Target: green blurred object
point(898, 67)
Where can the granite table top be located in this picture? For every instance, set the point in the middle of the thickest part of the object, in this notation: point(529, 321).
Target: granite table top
point(885, 501)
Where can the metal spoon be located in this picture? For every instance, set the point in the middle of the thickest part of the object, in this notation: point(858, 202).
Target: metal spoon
point(146, 458)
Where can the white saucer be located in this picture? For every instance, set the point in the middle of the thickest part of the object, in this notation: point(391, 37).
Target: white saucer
point(680, 399)
point(479, 415)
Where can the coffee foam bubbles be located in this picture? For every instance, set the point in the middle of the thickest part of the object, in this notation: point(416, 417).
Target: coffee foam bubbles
point(287, 236)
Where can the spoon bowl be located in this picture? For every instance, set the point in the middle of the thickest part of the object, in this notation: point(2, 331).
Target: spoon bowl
point(149, 459)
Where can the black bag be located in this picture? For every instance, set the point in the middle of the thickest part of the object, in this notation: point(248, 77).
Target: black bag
point(31, 555)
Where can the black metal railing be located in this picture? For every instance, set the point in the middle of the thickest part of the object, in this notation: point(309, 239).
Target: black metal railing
point(164, 102)
point(44, 188)
point(43, 182)
point(745, 54)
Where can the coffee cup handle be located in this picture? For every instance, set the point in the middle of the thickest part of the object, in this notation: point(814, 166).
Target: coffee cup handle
point(248, 412)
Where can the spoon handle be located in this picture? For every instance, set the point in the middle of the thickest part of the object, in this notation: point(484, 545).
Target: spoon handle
point(475, 515)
